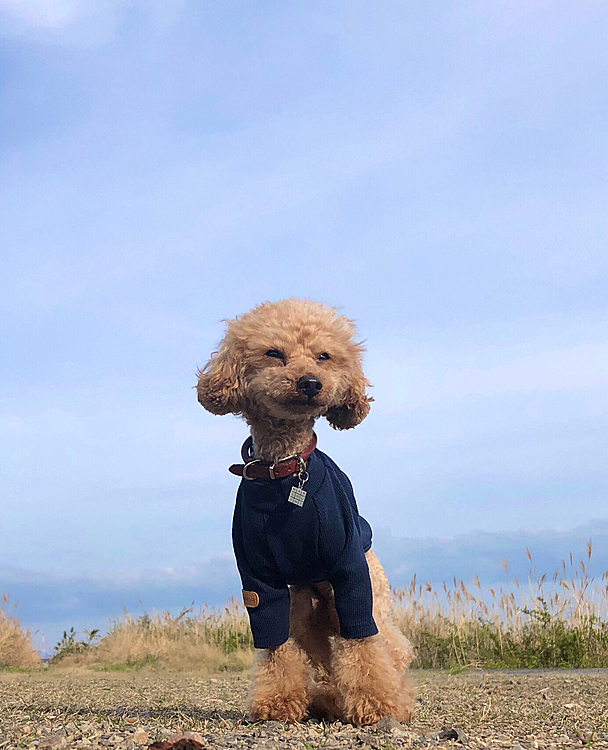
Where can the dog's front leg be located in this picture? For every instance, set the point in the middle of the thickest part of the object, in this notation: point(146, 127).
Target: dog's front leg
point(280, 684)
point(368, 682)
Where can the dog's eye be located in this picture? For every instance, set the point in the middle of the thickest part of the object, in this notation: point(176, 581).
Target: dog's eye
point(275, 353)
point(324, 356)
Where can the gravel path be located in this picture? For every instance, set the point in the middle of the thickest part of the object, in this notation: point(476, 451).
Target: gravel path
point(128, 711)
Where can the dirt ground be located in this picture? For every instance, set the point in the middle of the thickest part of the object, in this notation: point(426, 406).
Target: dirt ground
point(131, 710)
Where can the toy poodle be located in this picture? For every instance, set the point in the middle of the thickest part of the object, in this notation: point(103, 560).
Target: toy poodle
point(318, 600)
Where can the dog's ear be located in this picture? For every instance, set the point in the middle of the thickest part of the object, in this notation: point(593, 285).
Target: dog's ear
point(219, 385)
point(353, 408)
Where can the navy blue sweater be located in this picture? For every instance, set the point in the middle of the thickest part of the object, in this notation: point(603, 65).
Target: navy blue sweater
point(278, 543)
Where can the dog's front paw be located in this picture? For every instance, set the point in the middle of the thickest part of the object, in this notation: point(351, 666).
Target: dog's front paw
point(280, 684)
point(289, 709)
point(369, 685)
point(364, 710)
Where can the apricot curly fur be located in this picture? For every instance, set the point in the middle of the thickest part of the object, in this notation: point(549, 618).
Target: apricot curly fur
point(280, 684)
point(240, 379)
point(316, 672)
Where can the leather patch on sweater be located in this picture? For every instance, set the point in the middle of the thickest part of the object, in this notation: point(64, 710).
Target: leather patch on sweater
point(250, 599)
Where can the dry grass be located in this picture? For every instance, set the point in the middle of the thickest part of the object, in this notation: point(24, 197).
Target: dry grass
point(559, 621)
point(213, 640)
point(15, 643)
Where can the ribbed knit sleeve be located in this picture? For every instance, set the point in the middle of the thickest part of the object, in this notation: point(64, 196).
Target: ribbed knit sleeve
point(269, 619)
point(350, 576)
point(265, 596)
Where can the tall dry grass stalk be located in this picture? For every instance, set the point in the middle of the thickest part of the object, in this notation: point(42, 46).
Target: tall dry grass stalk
point(16, 648)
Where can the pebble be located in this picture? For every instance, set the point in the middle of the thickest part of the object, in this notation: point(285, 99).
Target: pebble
point(273, 726)
point(389, 724)
point(52, 740)
point(175, 736)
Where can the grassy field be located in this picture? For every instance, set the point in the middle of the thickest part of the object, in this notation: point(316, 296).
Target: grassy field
point(557, 620)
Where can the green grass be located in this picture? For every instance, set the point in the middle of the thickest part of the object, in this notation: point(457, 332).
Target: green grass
point(538, 643)
point(132, 666)
point(16, 670)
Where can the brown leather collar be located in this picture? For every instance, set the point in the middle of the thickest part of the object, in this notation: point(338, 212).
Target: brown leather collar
point(254, 468)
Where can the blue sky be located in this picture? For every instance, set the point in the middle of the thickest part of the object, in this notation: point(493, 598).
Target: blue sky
point(437, 170)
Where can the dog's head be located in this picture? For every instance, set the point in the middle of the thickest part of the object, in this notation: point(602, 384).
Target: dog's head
point(290, 360)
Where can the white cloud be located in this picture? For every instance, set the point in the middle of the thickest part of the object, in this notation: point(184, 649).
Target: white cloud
point(409, 375)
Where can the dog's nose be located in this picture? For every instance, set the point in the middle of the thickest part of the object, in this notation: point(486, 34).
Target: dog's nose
point(309, 385)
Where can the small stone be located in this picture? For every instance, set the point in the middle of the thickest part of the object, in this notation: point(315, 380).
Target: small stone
point(140, 736)
point(389, 724)
point(131, 720)
point(26, 729)
point(588, 737)
point(462, 737)
point(52, 740)
point(453, 733)
point(177, 736)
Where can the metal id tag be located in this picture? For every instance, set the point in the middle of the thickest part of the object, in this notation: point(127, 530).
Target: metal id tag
point(297, 496)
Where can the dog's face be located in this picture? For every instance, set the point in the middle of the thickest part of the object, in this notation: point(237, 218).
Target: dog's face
point(290, 360)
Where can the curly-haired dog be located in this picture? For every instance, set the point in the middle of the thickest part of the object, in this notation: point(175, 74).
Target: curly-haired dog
point(316, 594)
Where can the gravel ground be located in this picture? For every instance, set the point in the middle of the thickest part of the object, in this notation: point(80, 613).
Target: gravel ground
point(128, 711)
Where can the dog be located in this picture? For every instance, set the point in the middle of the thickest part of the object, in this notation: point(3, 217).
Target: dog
point(317, 596)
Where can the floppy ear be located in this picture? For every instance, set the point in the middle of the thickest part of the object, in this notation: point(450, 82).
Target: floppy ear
point(219, 382)
point(353, 408)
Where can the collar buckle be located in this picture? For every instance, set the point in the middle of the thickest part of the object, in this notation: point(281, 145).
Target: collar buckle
point(247, 465)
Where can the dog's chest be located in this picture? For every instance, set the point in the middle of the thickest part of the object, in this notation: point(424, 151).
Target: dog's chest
point(297, 544)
